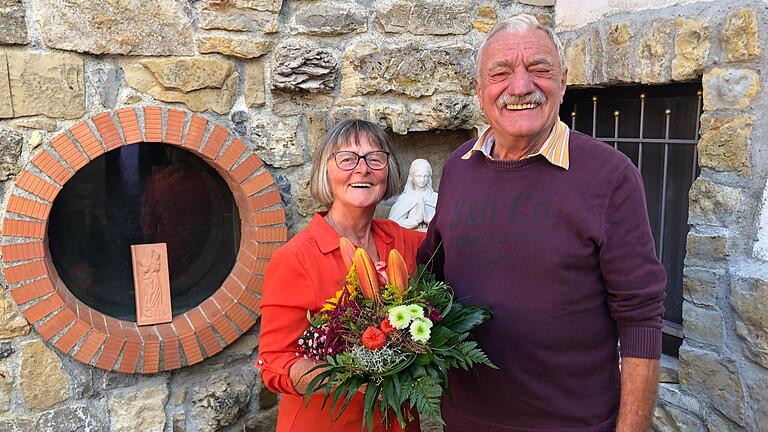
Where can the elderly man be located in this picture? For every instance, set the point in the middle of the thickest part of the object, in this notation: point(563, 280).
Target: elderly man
point(549, 228)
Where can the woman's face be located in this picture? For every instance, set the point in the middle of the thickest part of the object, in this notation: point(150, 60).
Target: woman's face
point(360, 187)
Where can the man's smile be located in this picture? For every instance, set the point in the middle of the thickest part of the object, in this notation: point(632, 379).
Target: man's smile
point(518, 107)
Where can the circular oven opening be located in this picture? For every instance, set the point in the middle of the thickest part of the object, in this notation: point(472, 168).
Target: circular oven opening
point(138, 194)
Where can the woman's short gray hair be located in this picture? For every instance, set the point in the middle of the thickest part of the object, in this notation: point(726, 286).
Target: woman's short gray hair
point(349, 132)
point(518, 24)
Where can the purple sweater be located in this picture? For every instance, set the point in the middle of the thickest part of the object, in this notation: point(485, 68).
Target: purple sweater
point(566, 262)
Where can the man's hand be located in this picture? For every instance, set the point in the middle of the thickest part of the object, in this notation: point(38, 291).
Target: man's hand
point(639, 382)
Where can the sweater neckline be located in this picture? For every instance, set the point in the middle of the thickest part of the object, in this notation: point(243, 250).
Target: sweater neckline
point(513, 164)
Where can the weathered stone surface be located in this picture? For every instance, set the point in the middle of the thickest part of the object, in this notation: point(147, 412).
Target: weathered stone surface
point(620, 54)
point(749, 298)
point(486, 19)
point(739, 38)
point(138, 409)
point(265, 421)
point(424, 17)
point(106, 80)
point(706, 246)
point(132, 27)
point(219, 402)
point(199, 83)
point(47, 84)
point(179, 396)
point(392, 115)
point(691, 48)
point(596, 57)
point(303, 66)
point(306, 205)
point(6, 350)
point(132, 99)
point(653, 54)
point(38, 123)
point(445, 112)
point(717, 378)
point(6, 387)
point(275, 141)
point(703, 325)
point(711, 203)
point(669, 418)
point(179, 422)
point(316, 125)
point(10, 151)
point(672, 394)
point(725, 143)
point(233, 46)
point(411, 69)
point(6, 108)
point(329, 18)
point(729, 88)
point(13, 25)
point(758, 391)
point(289, 104)
point(35, 139)
point(12, 324)
point(43, 382)
point(241, 15)
point(70, 419)
point(700, 286)
point(669, 370)
point(253, 89)
point(576, 60)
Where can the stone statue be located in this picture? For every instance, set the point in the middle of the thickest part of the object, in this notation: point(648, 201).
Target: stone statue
point(415, 207)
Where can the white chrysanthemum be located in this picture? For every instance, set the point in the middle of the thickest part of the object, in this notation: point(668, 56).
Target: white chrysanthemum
point(399, 317)
point(421, 329)
point(415, 310)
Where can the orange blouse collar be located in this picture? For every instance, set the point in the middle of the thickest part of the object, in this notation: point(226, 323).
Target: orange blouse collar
point(328, 239)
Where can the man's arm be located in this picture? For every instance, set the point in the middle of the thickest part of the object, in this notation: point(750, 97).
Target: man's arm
point(639, 382)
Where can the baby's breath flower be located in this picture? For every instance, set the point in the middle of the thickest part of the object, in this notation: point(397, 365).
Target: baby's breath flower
point(415, 310)
point(399, 317)
point(421, 330)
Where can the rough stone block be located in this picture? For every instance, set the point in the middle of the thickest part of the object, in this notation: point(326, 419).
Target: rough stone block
point(620, 44)
point(13, 24)
point(12, 324)
point(329, 19)
point(275, 141)
point(300, 66)
point(691, 48)
point(253, 88)
point(749, 298)
point(758, 391)
point(739, 38)
point(233, 46)
point(139, 409)
point(486, 19)
point(240, 15)
point(10, 151)
point(6, 107)
point(711, 203)
point(411, 69)
point(424, 17)
point(761, 245)
point(596, 57)
point(43, 381)
point(724, 144)
point(576, 60)
point(729, 88)
point(702, 246)
point(654, 63)
point(219, 402)
point(715, 378)
point(703, 325)
point(130, 27)
point(106, 81)
point(67, 419)
point(669, 418)
point(48, 84)
point(700, 286)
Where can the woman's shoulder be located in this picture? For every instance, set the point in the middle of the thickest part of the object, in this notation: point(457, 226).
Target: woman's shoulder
point(398, 232)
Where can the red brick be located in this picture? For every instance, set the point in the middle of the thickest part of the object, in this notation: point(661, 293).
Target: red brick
point(258, 183)
point(171, 355)
point(108, 131)
point(265, 200)
point(195, 132)
point(250, 302)
point(166, 331)
point(234, 150)
point(228, 333)
point(215, 140)
point(209, 341)
point(191, 349)
point(174, 127)
point(148, 334)
point(263, 251)
point(87, 140)
point(131, 331)
point(130, 357)
point(23, 251)
point(269, 217)
point(256, 283)
point(56, 323)
point(28, 207)
point(109, 354)
point(68, 151)
point(72, 336)
point(90, 346)
point(151, 361)
point(182, 326)
point(232, 286)
point(241, 273)
point(238, 315)
point(246, 168)
point(26, 271)
point(20, 228)
point(211, 309)
point(224, 300)
point(51, 167)
point(32, 291)
point(98, 321)
point(271, 235)
point(153, 124)
point(197, 319)
point(114, 327)
point(130, 125)
point(37, 186)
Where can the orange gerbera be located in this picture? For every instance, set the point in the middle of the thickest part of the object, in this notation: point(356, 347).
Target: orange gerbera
point(373, 338)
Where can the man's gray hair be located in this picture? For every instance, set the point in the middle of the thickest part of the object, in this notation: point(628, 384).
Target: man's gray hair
point(518, 24)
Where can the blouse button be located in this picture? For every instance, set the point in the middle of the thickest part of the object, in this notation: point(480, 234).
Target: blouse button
point(261, 362)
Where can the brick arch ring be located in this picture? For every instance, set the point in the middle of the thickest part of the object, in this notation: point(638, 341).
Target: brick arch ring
point(116, 345)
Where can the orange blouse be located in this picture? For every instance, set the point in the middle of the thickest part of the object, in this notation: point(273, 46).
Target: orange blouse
point(302, 274)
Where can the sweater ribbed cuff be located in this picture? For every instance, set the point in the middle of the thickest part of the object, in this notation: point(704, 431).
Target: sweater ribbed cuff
point(640, 342)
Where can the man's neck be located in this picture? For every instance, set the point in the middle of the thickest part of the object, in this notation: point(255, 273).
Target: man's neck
point(507, 147)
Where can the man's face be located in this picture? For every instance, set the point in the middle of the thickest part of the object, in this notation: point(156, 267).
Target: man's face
point(521, 86)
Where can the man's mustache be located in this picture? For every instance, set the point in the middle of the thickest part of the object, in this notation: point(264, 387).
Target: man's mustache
point(535, 97)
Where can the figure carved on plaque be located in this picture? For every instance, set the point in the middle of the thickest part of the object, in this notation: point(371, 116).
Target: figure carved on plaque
point(150, 278)
point(415, 207)
point(151, 283)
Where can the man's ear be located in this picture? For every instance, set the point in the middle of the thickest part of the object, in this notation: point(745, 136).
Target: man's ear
point(563, 83)
point(477, 91)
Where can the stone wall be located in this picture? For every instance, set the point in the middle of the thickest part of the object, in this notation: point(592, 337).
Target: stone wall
point(277, 74)
point(723, 363)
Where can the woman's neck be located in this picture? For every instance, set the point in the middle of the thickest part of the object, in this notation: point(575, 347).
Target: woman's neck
point(355, 225)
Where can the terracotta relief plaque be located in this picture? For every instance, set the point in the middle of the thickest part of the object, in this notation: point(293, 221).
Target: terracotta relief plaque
point(152, 283)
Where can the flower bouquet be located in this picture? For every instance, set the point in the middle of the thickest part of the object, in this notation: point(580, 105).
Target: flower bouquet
point(395, 336)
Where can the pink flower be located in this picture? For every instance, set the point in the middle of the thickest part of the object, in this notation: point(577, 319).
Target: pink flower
point(381, 272)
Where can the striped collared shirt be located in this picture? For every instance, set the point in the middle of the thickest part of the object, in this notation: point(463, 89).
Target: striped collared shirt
point(554, 149)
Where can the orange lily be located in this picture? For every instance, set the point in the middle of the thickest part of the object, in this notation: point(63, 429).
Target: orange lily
point(397, 272)
point(366, 274)
point(347, 251)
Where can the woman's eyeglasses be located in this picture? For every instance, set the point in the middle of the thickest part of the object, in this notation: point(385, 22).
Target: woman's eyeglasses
point(348, 160)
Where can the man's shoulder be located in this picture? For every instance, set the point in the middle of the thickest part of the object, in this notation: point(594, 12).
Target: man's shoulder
point(458, 154)
point(595, 155)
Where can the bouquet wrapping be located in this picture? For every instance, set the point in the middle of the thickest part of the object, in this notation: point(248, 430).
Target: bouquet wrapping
point(390, 337)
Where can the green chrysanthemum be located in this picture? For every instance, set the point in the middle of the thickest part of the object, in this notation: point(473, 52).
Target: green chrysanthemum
point(415, 311)
point(399, 317)
point(421, 329)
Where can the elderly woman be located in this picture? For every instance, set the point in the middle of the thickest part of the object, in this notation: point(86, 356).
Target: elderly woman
point(352, 172)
